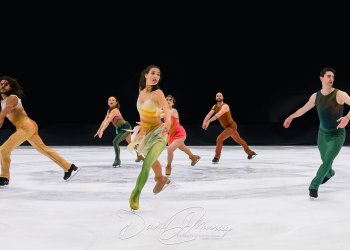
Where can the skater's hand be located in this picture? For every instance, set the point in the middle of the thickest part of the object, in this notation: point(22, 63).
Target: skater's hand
point(343, 121)
point(205, 125)
point(166, 128)
point(287, 122)
point(99, 134)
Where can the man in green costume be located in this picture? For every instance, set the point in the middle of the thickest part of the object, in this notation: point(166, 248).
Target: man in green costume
point(329, 102)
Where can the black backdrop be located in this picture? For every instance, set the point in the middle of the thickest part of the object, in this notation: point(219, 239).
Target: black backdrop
point(266, 63)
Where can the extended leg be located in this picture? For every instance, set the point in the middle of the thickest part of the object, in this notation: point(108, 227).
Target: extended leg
point(149, 161)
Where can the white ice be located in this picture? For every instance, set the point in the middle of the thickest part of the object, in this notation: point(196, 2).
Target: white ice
point(259, 204)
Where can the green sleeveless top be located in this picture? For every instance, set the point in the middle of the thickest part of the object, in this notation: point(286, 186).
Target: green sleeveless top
point(329, 111)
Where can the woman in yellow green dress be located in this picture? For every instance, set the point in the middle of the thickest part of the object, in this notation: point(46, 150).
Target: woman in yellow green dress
point(152, 138)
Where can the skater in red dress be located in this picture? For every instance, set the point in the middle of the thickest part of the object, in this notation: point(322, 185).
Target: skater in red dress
point(176, 137)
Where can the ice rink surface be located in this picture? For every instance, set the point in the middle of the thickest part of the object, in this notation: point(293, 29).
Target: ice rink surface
point(259, 204)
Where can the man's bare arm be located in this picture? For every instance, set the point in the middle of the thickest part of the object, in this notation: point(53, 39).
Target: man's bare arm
point(206, 119)
point(343, 97)
point(309, 105)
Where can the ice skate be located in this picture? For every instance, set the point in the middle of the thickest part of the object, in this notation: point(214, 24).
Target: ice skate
point(161, 182)
point(68, 175)
point(134, 201)
point(313, 193)
point(325, 179)
point(139, 158)
point(116, 164)
point(168, 170)
point(194, 159)
point(252, 156)
point(4, 181)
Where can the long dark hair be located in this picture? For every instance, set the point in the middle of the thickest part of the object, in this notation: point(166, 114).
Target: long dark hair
point(142, 80)
point(16, 88)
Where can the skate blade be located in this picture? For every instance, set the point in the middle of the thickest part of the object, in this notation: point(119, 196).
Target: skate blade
point(253, 156)
point(163, 188)
point(73, 174)
point(128, 130)
point(312, 198)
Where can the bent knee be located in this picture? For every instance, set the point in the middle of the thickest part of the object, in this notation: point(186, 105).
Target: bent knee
point(219, 140)
point(171, 150)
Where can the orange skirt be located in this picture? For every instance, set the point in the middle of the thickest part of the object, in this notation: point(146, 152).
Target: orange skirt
point(179, 132)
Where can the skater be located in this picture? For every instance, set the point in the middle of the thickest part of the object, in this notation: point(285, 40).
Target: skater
point(151, 139)
point(122, 128)
point(176, 137)
point(26, 130)
point(329, 103)
point(221, 111)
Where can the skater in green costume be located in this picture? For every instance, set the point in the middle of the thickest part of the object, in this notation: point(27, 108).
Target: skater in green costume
point(122, 127)
point(329, 102)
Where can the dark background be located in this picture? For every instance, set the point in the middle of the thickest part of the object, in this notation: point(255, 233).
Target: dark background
point(265, 58)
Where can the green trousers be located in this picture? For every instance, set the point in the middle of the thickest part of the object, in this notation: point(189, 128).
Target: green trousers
point(121, 134)
point(329, 143)
point(148, 162)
